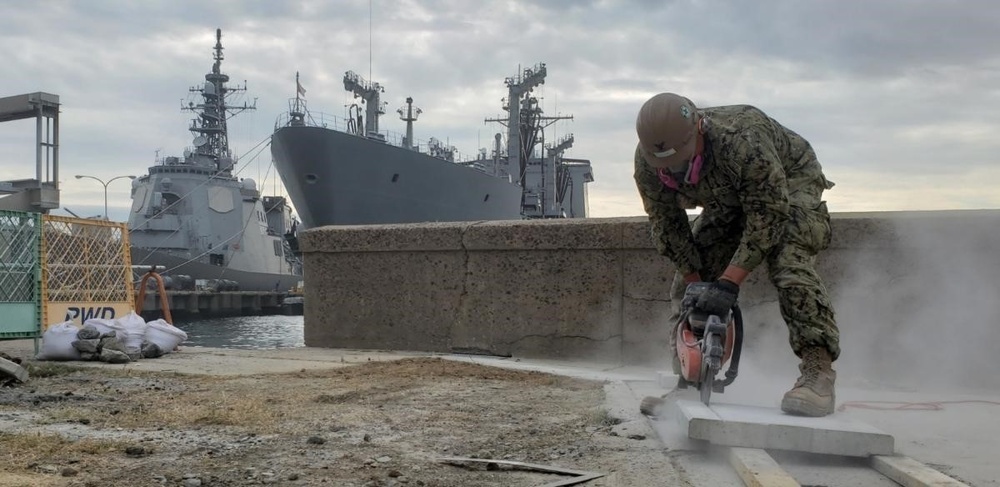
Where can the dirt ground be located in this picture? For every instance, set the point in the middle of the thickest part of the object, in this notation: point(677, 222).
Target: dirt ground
point(376, 424)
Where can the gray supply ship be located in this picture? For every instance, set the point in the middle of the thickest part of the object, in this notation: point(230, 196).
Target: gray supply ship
point(346, 171)
point(196, 218)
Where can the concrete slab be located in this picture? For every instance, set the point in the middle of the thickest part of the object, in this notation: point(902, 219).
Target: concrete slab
point(13, 370)
point(756, 427)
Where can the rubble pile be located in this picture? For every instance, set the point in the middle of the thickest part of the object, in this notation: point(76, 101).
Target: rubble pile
point(108, 347)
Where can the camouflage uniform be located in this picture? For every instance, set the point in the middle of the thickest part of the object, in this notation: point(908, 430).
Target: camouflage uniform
point(761, 187)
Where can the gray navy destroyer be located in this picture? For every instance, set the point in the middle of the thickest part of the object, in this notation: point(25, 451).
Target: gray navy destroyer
point(346, 171)
point(196, 218)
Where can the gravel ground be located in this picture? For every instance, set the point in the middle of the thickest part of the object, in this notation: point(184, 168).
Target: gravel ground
point(385, 423)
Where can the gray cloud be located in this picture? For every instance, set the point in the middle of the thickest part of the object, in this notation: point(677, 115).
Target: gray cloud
point(900, 91)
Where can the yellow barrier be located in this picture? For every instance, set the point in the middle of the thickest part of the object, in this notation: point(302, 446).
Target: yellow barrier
point(86, 270)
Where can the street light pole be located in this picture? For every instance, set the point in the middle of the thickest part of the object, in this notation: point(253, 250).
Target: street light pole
point(105, 184)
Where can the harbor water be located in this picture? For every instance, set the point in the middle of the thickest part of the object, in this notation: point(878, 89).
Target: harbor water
point(245, 332)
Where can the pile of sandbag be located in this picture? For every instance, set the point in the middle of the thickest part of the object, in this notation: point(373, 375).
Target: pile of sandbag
point(116, 341)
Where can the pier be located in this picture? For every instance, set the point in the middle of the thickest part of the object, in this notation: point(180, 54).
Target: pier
point(189, 305)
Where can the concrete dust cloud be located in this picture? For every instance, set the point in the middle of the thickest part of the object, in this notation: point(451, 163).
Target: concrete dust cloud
point(918, 307)
point(768, 368)
point(923, 313)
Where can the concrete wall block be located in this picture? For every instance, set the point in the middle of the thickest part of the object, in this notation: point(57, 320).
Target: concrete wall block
point(646, 328)
point(849, 231)
point(959, 231)
point(636, 233)
point(646, 274)
point(598, 233)
point(396, 300)
point(757, 288)
point(596, 288)
point(384, 238)
point(541, 303)
point(763, 327)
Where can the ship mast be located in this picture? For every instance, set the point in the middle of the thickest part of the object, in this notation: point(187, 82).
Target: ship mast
point(211, 143)
point(409, 115)
point(524, 121)
point(297, 106)
point(369, 91)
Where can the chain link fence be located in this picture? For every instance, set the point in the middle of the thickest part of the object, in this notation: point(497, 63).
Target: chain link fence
point(20, 275)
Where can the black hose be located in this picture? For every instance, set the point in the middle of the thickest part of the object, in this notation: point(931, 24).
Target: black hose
point(734, 362)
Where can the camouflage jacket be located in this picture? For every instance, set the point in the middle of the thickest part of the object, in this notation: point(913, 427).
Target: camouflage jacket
point(753, 171)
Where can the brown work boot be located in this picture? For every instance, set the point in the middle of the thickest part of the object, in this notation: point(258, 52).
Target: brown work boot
point(813, 394)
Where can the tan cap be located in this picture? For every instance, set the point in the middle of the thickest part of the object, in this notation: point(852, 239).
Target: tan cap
point(666, 126)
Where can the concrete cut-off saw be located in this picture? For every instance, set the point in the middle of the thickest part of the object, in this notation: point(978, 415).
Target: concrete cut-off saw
point(705, 343)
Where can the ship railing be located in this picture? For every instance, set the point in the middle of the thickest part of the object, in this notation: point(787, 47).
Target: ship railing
point(342, 124)
point(315, 119)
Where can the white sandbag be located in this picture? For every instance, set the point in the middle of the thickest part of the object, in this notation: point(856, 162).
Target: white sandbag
point(164, 335)
point(135, 332)
point(106, 326)
point(57, 342)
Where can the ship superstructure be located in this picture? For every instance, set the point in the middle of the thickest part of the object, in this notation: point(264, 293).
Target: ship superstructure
point(195, 217)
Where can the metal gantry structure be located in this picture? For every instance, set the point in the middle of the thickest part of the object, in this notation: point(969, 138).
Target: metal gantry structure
point(41, 193)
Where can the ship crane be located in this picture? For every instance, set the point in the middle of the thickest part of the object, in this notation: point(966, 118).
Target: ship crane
point(370, 92)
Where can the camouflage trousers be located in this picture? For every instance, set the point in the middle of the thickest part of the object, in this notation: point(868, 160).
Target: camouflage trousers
point(802, 297)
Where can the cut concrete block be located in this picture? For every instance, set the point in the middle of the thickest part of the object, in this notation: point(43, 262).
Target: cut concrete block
point(11, 369)
point(757, 427)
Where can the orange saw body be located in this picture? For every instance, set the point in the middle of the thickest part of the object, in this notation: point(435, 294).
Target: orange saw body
point(706, 343)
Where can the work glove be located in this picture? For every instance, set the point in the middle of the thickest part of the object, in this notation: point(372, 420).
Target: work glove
point(719, 298)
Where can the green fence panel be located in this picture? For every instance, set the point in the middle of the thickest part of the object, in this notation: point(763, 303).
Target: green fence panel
point(20, 275)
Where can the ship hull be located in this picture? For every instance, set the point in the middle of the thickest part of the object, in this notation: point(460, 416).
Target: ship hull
point(336, 178)
point(247, 280)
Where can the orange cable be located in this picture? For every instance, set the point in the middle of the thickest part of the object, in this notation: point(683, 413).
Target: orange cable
point(909, 406)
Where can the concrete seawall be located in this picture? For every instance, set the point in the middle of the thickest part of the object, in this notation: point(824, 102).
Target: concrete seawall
point(596, 289)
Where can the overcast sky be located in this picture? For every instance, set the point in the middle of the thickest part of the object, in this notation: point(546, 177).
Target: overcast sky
point(901, 99)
